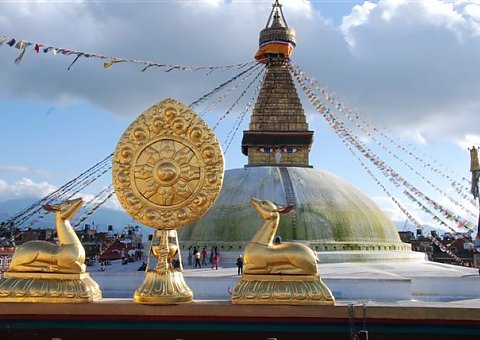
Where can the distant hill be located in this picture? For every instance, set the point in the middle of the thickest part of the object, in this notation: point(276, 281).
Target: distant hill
point(101, 218)
point(11, 207)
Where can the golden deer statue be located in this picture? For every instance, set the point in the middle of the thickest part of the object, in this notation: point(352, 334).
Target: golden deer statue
point(41, 256)
point(261, 256)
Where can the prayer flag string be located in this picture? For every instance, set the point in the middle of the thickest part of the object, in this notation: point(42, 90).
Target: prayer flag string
point(231, 89)
point(71, 193)
point(35, 207)
point(108, 61)
point(354, 117)
point(236, 126)
point(363, 125)
point(237, 101)
point(345, 133)
point(96, 202)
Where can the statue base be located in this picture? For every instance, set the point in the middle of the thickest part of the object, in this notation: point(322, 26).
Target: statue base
point(48, 287)
point(281, 290)
point(168, 288)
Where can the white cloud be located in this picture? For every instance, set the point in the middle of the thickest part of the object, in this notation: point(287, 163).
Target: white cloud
point(111, 203)
point(409, 65)
point(24, 188)
point(473, 10)
point(469, 140)
point(359, 16)
point(416, 66)
point(27, 188)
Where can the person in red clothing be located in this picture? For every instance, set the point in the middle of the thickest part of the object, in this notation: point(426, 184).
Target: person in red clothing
point(216, 260)
point(204, 256)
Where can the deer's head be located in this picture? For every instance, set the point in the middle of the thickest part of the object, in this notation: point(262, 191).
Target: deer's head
point(67, 209)
point(268, 210)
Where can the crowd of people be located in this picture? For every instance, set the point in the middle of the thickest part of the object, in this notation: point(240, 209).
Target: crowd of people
point(198, 258)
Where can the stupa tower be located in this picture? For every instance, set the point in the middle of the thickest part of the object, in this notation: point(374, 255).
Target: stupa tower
point(330, 215)
point(278, 134)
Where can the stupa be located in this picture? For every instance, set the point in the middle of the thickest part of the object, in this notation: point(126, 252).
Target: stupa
point(330, 215)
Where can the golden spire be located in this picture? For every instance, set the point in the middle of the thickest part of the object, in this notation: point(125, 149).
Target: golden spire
point(278, 133)
point(276, 38)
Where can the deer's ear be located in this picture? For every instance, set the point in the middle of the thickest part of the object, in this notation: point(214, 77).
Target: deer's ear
point(48, 207)
point(284, 210)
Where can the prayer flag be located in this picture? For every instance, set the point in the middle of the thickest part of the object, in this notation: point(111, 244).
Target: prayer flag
point(475, 169)
point(111, 62)
point(20, 56)
point(21, 44)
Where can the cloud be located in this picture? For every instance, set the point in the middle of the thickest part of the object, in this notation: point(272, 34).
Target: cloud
point(189, 33)
point(111, 203)
point(27, 188)
point(409, 65)
point(24, 188)
point(469, 140)
point(418, 63)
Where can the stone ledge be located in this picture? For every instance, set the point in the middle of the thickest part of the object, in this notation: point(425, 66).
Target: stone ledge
point(219, 320)
point(208, 308)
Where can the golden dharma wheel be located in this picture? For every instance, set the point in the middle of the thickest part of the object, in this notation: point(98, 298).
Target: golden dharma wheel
point(167, 167)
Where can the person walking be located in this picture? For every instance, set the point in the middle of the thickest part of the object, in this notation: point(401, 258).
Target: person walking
point(240, 265)
point(212, 254)
point(194, 251)
point(190, 256)
point(197, 260)
point(216, 261)
point(204, 256)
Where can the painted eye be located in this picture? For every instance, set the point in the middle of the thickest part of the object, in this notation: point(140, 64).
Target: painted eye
point(266, 149)
point(289, 150)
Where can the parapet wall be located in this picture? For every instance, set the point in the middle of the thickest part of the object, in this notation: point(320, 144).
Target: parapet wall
point(123, 319)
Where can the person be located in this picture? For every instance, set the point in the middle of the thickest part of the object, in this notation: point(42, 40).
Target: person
point(194, 251)
point(212, 254)
point(240, 265)
point(197, 259)
point(143, 267)
point(102, 266)
point(190, 256)
point(216, 260)
point(204, 256)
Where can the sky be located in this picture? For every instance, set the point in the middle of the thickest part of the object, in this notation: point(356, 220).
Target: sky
point(409, 67)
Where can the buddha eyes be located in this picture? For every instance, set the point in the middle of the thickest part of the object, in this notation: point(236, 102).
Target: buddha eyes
point(289, 150)
point(267, 149)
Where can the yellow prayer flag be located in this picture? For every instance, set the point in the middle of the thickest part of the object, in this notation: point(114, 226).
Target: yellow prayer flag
point(21, 44)
point(111, 62)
